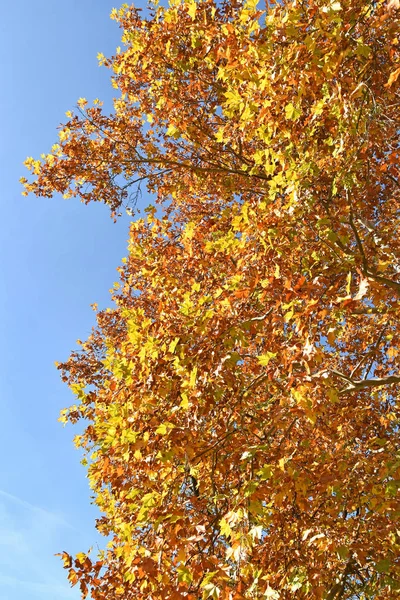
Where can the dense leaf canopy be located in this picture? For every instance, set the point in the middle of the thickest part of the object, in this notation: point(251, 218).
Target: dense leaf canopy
point(240, 401)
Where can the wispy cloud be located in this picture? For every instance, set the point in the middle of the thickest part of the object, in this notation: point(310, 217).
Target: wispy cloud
point(29, 537)
point(46, 513)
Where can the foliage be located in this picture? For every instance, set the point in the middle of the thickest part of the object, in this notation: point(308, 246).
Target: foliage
point(241, 399)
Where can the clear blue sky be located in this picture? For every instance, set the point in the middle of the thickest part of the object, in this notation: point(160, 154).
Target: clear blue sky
point(57, 257)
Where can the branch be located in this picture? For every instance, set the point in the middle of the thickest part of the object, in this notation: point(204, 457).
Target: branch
point(217, 443)
point(367, 311)
point(255, 381)
point(370, 353)
point(337, 591)
point(359, 244)
point(393, 179)
point(260, 318)
point(365, 383)
point(395, 285)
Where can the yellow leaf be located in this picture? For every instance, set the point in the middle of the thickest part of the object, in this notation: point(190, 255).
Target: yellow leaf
point(348, 283)
point(173, 344)
point(185, 401)
point(193, 376)
point(393, 77)
point(264, 359)
point(81, 557)
point(288, 315)
point(192, 10)
point(173, 131)
point(292, 112)
point(225, 528)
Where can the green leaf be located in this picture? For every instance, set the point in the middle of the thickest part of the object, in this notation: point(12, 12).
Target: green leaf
point(266, 472)
point(363, 50)
point(343, 552)
point(184, 575)
point(383, 565)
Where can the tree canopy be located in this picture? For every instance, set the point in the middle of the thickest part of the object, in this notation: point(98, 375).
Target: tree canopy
point(240, 401)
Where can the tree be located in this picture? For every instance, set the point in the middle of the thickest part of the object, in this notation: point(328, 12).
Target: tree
point(241, 398)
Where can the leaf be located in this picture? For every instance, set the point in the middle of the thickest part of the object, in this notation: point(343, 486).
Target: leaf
point(266, 472)
point(271, 593)
point(173, 345)
point(225, 528)
point(192, 7)
point(67, 559)
point(210, 591)
point(362, 289)
point(264, 359)
point(162, 429)
point(185, 401)
point(289, 315)
point(363, 50)
point(383, 565)
point(349, 281)
point(193, 376)
point(173, 131)
point(343, 552)
point(184, 574)
point(73, 577)
point(291, 112)
point(393, 77)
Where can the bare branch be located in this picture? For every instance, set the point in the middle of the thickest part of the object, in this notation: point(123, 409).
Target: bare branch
point(373, 382)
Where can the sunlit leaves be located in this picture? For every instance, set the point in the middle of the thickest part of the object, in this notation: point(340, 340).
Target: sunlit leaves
point(239, 401)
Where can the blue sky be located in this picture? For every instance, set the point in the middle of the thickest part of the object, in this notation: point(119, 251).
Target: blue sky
point(57, 257)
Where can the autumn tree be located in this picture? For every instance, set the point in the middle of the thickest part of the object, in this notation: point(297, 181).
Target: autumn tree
point(240, 400)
